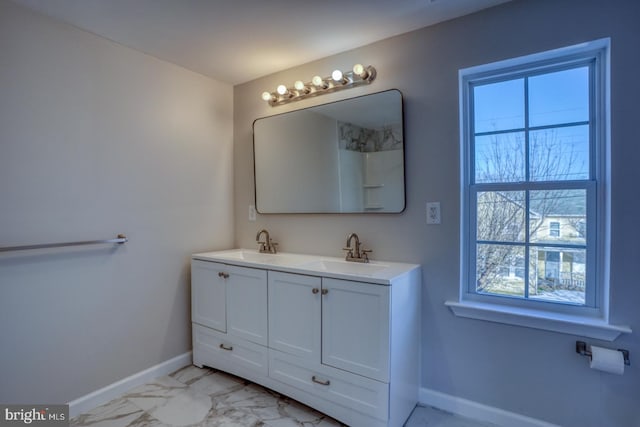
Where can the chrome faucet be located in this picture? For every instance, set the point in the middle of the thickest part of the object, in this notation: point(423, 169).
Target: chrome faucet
point(268, 245)
point(355, 254)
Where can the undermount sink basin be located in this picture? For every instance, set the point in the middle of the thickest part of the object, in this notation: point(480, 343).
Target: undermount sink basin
point(346, 267)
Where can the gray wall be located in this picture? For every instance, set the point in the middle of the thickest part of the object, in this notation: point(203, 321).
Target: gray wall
point(527, 371)
point(97, 139)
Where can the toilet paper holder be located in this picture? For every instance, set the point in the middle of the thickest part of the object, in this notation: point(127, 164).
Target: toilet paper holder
point(581, 348)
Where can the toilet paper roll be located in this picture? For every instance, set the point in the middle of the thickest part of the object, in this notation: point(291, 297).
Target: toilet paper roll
point(606, 360)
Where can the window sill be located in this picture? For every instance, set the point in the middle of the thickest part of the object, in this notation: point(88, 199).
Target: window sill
point(568, 324)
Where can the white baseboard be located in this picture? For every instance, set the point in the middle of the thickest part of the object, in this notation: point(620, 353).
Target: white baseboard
point(478, 411)
point(105, 394)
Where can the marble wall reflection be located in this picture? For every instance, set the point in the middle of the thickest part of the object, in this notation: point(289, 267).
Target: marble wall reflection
point(356, 138)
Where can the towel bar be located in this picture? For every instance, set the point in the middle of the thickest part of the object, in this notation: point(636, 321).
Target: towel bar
point(120, 239)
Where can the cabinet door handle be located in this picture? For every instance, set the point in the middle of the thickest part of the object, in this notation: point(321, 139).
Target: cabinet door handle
point(223, 275)
point(224, 347)
point(325, 291)
point(317, 381)
point(315, 290)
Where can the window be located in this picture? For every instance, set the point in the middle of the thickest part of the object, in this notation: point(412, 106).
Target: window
point(534, 193)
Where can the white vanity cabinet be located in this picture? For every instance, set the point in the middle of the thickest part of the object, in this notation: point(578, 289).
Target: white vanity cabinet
point(344, 344)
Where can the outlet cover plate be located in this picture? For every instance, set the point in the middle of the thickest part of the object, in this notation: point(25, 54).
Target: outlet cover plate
point(433, 213)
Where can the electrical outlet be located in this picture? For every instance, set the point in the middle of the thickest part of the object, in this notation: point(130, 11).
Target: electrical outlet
point(252, 213)
point(433, 212)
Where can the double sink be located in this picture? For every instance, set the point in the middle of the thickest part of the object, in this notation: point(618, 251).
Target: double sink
point(372, 271)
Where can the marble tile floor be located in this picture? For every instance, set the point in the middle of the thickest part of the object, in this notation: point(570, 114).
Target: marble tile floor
point(205, 397)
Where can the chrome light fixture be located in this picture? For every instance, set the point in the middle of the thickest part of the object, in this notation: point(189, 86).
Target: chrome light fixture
point(338, 80)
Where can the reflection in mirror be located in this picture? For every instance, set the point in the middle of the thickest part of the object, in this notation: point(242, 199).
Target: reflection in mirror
point(342, 157)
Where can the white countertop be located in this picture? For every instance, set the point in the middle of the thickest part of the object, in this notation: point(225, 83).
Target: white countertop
point(380, 272)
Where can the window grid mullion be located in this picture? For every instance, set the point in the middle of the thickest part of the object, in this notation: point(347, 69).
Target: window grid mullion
point(472, 195)
point(532, 186)
point(526, 243)
point(533, 128)
point(527, 192)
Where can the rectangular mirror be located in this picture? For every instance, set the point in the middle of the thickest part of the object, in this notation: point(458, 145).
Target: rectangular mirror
point(342, 157)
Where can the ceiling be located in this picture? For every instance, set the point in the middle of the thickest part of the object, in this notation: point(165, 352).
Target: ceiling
point(235, 41)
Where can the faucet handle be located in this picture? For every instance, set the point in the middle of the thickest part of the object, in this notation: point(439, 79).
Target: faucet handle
point(364, 252)
point(263, 247)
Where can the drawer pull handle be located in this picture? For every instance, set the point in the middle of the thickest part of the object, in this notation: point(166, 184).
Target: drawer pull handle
point(315, 290)
point(222, 346)
point(325, 291)
point(223, 275)
point(317, 381)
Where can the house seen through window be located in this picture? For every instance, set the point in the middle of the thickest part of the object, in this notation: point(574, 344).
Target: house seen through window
point(530, 151)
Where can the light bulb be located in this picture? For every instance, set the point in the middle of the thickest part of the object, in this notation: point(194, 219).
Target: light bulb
point(266, 96)
point(359, 70)
point(336, 75)
point(299, 85)
point(317, 81)
point(282, 89)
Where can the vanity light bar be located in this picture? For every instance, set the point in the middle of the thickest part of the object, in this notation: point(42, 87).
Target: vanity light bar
point(338, 80)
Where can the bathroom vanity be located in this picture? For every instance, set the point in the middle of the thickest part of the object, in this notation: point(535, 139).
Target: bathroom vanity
point(339, 336)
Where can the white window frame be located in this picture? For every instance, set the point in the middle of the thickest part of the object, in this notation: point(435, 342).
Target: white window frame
point(592, 319)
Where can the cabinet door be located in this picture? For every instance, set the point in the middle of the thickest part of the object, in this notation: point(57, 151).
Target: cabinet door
point(294, 314)
point(355, 327)
point(208, 295)
point(247, 303)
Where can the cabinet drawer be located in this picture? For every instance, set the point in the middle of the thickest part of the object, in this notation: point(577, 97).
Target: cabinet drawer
point(228, 353)
point(361, 394)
